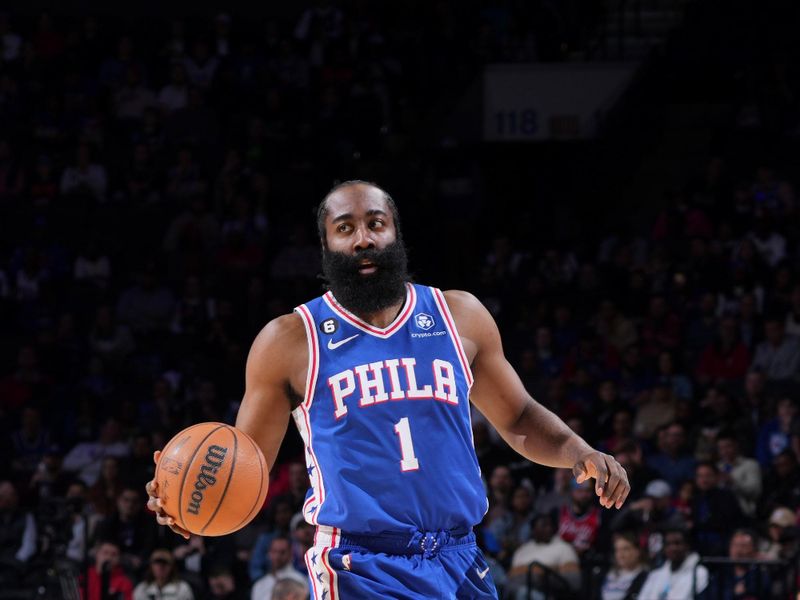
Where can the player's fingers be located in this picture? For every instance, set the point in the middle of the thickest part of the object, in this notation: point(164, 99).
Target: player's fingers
point(156, 455)
point(614, 479)
point(180, 531)
point(601, 478)
point(579, 472)
point(614, 493)
point(151, 487)
point(624, 495)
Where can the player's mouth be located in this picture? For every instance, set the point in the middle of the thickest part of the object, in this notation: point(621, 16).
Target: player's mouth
point(367, 268)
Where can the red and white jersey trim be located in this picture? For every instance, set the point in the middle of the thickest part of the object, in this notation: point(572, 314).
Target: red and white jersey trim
point(313, 353)
point(303, 421)
point(327, 536)
point(450, 323)
point(385, 332)
point(323, 576)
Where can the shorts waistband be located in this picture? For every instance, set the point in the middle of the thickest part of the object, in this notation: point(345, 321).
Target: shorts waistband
point(426, 543)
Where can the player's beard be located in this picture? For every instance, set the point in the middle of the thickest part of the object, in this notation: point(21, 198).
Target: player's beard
point(367, 294)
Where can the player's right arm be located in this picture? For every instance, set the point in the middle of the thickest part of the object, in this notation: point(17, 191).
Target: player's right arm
point(274, 381)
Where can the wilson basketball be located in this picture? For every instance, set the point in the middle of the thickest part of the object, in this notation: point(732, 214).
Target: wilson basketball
point(212, 479)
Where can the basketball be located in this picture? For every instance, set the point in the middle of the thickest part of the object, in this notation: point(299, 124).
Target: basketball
point(212, 479)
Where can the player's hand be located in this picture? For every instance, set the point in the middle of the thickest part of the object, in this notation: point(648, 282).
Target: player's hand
point(154, 503)
point(611, 480)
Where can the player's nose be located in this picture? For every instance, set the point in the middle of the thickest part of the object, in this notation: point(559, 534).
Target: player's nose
point(362, 240)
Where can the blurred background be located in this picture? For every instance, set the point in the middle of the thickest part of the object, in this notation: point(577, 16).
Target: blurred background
point(614, 179)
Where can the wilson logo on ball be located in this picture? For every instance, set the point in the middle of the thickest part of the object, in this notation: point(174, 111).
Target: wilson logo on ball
point(215, 457)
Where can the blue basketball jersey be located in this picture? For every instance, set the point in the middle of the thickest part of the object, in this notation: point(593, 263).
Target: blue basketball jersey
point(386, 420)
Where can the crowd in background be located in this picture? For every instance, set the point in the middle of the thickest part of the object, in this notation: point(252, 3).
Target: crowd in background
point(156, 196)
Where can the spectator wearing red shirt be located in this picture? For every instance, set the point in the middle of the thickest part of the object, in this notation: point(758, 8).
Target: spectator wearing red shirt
point(579, 521)
point(661, 328)
point(724, 360)
point(106, 564)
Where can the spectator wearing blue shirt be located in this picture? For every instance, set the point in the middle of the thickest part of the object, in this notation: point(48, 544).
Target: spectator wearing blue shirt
point(672, 462)
point(775, 435)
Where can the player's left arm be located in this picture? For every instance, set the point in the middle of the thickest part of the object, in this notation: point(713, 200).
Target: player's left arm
point(531, 429)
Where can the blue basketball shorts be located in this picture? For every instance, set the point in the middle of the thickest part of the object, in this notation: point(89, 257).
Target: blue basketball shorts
point(426, 565)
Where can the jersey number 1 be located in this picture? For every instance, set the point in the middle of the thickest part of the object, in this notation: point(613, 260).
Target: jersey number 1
point(408, 462)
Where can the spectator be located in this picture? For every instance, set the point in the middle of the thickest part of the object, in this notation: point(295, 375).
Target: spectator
point(715, 511)
point(661, 329)
point(775, 436)
point(741, 580)
point(10, 41)
point(739, 474)
point(668, 376)
point(783, 535)
point(93, 266)
point(628, 572)
point(679, 578)
point(131, 528)
point(547, 549)
point(621, 430)
point(85, 177)
point(782, 483)
point(778, 356)
point(513, 528)
point(86, 458)
point(629, 455)
point(147, 306)
point(792, 325)
point(30, 441)
point(131, 100)
point(222, 585)
point(613, 327)
point(650, 516)
point(726, 359)
point(658, 406)
point(173, 96)
point(108, 339)
point(672, 462)
point(161, 580)
point(280, 559)
point(106, 571)
point(17, 533)
point(104, 493)
point(289, 589)
point(579, 521)
point(49, 479)
point(281, 512)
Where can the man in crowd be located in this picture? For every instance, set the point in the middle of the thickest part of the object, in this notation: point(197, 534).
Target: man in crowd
point(679, 578)
point(280, 567)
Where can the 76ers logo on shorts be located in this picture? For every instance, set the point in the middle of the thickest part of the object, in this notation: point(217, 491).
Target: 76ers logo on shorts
point(424, 321)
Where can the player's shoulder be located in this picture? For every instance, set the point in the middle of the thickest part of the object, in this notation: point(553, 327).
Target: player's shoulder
point(286, 332)
point(472, 318)
point(460, 300)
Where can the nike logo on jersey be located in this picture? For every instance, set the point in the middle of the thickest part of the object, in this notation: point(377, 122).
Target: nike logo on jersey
point(334, 345)
point(483, 573)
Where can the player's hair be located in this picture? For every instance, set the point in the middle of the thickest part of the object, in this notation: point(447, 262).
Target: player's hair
point(322, 208)
point(287, 588)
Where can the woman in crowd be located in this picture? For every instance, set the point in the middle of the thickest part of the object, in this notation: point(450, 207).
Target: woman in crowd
point(628, 573)
point(161, 581)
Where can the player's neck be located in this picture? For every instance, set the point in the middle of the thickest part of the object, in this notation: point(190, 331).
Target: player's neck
point(384, 317)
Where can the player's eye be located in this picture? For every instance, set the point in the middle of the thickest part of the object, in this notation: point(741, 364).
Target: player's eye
point(377, 223)
point(343, 228)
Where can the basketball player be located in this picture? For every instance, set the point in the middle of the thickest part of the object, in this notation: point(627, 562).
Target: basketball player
point(377, 375)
